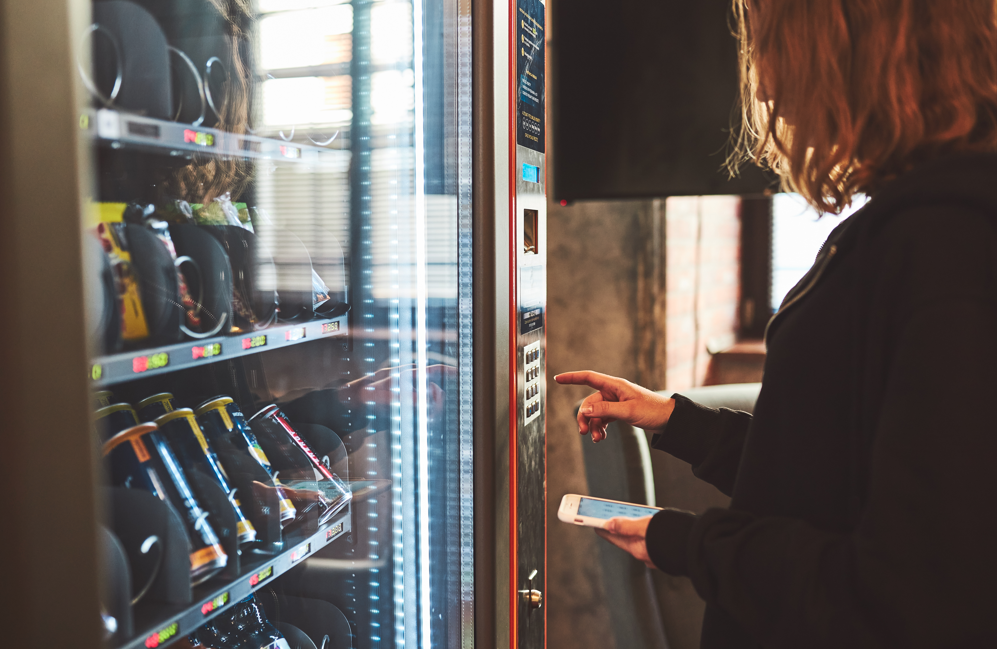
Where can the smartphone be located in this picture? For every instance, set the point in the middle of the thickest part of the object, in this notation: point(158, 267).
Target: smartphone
point(594, 512)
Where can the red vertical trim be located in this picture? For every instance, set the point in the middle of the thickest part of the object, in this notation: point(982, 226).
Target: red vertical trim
point(543, 610)
point(513, 346)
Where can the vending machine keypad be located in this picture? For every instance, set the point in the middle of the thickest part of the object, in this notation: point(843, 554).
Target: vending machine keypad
point(533, 373)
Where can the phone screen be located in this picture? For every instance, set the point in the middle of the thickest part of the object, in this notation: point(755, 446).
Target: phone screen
point(602, 509)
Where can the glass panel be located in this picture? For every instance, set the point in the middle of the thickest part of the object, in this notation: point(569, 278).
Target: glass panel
point(281, 242)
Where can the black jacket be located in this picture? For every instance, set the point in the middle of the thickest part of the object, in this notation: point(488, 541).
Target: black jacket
point(864, 489)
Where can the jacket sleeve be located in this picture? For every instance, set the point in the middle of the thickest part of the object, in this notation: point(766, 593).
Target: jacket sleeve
point(919, 568)
point(710, 439)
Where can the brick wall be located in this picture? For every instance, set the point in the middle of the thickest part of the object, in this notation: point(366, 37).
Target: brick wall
point(701, 270)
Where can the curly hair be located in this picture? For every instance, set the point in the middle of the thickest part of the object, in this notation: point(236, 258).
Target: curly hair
point(207, 177)
point(840, 96)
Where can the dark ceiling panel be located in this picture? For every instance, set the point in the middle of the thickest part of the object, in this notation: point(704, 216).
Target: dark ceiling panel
point(644, 96)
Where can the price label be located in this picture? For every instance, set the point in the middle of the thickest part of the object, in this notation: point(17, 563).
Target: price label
point(290, 151)
point(96, 371)
point(214, 604)
point(300, 553)
point(330, 327)
point(159, 638)
point(333, 531)
point(207, 351)
point(254, 342)
point(191, 136)
point(262, 575)
point(294, 334)
point(153, 362)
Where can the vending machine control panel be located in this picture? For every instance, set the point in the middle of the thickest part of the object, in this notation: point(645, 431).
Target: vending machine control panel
point(531, 398)
point(529, 257)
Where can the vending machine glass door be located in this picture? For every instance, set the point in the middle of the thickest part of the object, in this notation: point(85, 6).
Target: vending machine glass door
point(278, 248)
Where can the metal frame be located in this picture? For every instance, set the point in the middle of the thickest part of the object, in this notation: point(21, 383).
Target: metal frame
point(119, 368)
point(466, 313)
point(492, 335)
point(262, 575)
point(49, 532)
point(44, 174)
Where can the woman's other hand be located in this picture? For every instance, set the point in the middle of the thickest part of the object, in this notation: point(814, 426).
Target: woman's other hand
point(617, 400)
point(628, 534)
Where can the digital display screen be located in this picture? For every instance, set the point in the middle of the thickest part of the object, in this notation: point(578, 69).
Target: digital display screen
point(261, 575)
point(301, 552)
point(207, 351)
point(333, 531)
point(294, 334)
point(159, 638)
point(330, 327)
point(154, 362)
point(531, 173)
point(199, 138)
point(254, 342)
point(214, 604)
point(605, 510)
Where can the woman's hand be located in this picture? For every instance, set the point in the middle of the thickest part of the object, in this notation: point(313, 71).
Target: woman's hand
point(628, 534)
point(617, 399)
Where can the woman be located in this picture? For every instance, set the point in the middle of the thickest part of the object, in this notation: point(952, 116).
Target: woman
point(862, 490)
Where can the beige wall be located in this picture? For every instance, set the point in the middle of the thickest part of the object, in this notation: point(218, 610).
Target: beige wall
point(637, 289)
point(591, 324)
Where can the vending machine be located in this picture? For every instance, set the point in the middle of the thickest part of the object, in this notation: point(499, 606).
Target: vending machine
point(510, 180)
point(274, 323)
point(529, 299)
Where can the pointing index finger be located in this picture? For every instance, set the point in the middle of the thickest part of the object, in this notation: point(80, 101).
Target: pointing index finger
point(589, 378)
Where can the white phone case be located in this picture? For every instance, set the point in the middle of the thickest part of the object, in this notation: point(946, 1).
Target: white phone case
point(567, 512)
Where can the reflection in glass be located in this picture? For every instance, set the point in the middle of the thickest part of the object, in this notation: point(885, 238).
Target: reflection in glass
point(385, 192)
point(332, 177)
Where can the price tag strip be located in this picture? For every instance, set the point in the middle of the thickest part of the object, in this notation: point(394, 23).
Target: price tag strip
point(166, 631)
point(297, 333)
point(159, 637)
point(108, 370)
point(112, 128)
point(215, 604)
point(334, 531)
point(300, 552)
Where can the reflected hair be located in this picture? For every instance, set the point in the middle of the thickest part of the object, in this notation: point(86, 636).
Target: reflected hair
point(840, 96)
point(206, 177)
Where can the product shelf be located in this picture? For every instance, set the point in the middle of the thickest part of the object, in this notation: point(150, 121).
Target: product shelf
point(126, 366)
point(120, 129)
point(159, 626)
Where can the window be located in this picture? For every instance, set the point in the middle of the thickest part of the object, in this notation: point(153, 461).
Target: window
point(797, 235)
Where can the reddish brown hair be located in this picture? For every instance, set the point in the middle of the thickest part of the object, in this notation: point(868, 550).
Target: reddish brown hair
point(839, 96)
